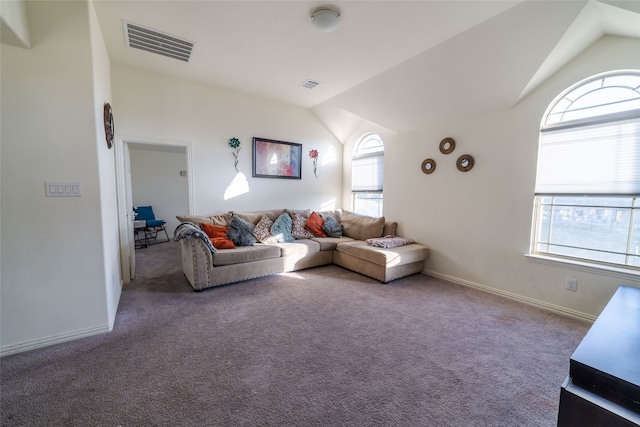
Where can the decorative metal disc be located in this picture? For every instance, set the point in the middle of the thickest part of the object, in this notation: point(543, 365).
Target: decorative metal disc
point(428, 166)
point(465, 163)
point(447, 145)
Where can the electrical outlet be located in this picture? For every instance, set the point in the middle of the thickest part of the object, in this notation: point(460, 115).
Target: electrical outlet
point(572, 284)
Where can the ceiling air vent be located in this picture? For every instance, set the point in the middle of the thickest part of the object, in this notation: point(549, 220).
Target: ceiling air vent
point(156, 42)
point(310, 84)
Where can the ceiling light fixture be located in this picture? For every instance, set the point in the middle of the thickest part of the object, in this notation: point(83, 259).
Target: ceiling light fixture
point(326, 20)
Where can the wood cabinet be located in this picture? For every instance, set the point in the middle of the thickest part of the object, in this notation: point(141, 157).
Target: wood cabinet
point(603, 386)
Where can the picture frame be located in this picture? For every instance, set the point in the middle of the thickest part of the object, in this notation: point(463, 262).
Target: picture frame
point(276, 159)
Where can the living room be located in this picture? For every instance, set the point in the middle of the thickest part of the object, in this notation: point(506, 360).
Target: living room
point(61, 277)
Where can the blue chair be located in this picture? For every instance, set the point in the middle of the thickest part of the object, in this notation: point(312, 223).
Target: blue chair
point(152, 225)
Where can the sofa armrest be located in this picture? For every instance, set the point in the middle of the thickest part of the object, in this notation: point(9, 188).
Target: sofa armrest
point(197, 262)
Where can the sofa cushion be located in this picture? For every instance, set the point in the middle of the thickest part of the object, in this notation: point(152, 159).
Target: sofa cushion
point(221, 219)
point(243, 254)
point(262, 231)
point(281, 229)
point(254, 217)
point(330, 243)
point(331, 227)
point(334, 213)
point(385, 257)
point(222, 243)
point(361, 227)
point(299, 248)
point(302, 212)
point(298, 229)
point(240, 232)
point(314, 225)
point(214, 230)
point(390, 228)
point(218, 236)
point(194, 218)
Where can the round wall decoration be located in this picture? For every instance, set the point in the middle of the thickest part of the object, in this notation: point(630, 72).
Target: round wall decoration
point(465, 163)
point(109, 127)
point(447, 145)
point(428, 166)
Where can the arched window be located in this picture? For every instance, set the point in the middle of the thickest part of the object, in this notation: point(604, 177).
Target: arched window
point(367, 175)
point(587, 201)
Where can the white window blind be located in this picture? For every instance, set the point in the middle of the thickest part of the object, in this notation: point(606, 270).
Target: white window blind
point(368, 173)
point(592, 159)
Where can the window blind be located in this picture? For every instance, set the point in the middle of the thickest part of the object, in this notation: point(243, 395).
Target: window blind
point(591, 159)
point(368, 173)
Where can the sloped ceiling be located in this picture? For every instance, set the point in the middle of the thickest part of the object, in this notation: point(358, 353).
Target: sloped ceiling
point(399, 64)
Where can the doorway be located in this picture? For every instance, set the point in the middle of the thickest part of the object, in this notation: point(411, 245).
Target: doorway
point(150, 173)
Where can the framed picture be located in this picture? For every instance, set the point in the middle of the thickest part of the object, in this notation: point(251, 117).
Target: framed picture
point(276, 159)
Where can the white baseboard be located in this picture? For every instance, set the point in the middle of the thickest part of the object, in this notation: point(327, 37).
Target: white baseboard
point(526, 300)
point(53, 339)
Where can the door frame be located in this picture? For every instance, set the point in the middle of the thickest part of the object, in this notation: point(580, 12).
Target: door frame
point(123, 190)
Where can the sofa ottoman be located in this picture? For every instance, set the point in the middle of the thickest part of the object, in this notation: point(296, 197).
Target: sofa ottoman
point(383, 264)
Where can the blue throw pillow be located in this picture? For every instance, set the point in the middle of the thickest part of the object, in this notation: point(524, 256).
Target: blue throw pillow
point(281, 229)
point(331, 227)
point(240, 232)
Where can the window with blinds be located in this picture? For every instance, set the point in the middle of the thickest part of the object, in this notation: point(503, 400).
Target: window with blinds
point(367, 175)
point(587, 193)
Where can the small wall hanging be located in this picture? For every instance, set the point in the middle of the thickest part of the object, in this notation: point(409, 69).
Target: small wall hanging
point(447, 145)
point(428, 166)
point(109, 127)
point(234, 143)
point(465, 163)
point(314, 155)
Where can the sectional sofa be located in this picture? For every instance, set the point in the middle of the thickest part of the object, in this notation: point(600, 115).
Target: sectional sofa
point(285, 240)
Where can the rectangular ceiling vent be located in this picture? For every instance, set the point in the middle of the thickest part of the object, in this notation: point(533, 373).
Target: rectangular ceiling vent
point(310, 84)
point(156, 42)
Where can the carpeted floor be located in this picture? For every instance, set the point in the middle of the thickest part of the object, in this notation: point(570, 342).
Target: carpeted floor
point(320, 347)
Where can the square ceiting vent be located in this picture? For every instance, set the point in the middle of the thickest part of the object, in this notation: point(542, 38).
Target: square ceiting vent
point(156, 42)
point(310, 84)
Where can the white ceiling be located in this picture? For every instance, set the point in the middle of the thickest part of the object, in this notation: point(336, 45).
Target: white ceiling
point(394, 63)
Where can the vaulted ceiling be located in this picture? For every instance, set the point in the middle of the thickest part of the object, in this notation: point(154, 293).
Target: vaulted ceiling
point(394, 63)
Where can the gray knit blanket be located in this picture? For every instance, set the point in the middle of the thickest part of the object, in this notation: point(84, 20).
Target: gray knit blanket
point(189, 230)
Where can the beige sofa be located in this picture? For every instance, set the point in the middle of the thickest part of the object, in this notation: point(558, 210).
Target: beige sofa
point(204, 268)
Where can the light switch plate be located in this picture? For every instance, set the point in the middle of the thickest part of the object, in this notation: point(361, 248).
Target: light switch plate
point(63, 189)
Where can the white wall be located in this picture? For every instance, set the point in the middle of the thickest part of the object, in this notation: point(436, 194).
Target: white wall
point(106, 169)
point(151, 106)
point(14, 26)
point(478, 223)
point(156, 181)
point(54, 259)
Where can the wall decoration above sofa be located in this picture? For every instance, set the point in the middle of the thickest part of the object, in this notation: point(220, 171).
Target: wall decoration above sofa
point(276, 159)
point(314, 155)
point(428, 166)
point(234, 143)
point(109, 127)
point(447, 145)
point(465, 163)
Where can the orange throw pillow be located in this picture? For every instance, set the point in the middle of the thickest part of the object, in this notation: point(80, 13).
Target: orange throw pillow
point(222, 243)
point(218, 236)
point(314, 224)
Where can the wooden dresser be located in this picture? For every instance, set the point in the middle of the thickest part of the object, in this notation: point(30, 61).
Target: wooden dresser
point(603, 386)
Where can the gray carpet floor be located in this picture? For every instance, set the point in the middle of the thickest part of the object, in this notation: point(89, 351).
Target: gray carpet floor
point(320, 347)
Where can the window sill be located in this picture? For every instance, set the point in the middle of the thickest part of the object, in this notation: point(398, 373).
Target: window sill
point(604, 270)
